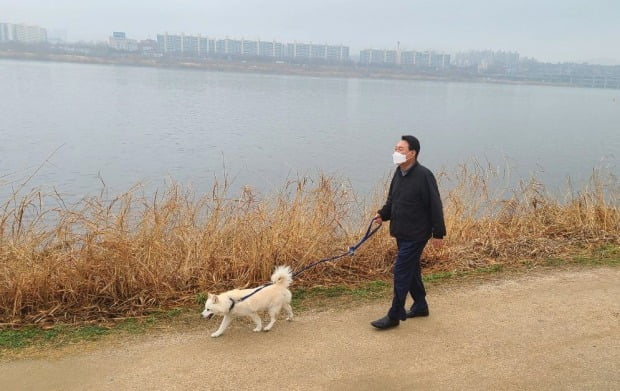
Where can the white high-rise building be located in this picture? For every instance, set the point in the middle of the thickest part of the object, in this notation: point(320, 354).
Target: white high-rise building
point(6, 32)
point(22, 33)
point(187, 44)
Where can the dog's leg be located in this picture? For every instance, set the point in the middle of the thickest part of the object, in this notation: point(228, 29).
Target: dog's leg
point(273, 314)
point(289, 310)
point(257, 320)
point(223, 326)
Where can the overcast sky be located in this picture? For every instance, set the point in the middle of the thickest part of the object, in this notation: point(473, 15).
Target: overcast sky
point(548, 30)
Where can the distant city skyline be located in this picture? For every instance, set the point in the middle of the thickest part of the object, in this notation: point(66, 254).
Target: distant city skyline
point(550, 31)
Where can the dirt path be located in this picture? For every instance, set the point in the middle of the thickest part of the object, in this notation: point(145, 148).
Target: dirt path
point(553, 330)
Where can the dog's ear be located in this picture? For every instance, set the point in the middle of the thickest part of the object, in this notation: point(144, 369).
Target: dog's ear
point(215, 299)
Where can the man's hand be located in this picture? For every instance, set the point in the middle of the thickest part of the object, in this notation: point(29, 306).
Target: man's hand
point(377, 219)
point(437, 243)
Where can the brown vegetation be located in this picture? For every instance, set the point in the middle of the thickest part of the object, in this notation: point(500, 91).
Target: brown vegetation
point(106, 259)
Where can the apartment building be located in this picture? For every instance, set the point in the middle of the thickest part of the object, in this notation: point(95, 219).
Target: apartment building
point(411, 58)
point(270, 49)
point(196, 45)
point(183, 44)
point(300, 50)
point(376, 56)
point(22, 33)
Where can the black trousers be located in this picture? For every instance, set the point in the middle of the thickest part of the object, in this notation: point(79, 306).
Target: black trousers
point(408, 278)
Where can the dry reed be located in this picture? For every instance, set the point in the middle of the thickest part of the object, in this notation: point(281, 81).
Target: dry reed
point(105, 259)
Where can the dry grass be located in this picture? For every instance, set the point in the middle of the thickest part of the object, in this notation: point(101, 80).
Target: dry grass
point(109, 259)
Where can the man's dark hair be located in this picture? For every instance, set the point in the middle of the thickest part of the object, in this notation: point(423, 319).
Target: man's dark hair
point(414, 143)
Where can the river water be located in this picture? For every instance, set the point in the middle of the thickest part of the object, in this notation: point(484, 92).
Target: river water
point(73, 127)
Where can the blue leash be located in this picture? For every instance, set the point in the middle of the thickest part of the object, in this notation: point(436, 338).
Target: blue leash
point(352, 249)
point(369, 232)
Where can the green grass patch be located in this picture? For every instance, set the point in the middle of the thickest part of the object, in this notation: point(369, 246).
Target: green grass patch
point(438, 276)
point(490, 269)
point(604, 255)
point(366, 291)
point(443, 276)
point(11, 339)
point(554, 261)
point(14, 339)
point(372, 289)
point(201, 298)
point(376, 289)
point(89, 333)
point(607, 254)
point(131, 326)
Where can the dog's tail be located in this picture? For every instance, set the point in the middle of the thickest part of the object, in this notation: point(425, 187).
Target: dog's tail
point(282, 275)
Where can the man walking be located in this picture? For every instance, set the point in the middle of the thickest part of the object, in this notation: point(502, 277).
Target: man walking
point(414, 210)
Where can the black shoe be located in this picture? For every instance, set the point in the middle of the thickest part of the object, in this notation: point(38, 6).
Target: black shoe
point(416, 313)
point(385, 323)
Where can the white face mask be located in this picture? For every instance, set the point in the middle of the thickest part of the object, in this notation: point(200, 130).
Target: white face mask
point(398, 158)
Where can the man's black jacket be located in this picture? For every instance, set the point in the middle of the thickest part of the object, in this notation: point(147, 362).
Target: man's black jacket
point(413, 206)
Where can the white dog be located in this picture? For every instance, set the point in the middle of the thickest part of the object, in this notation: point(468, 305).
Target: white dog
point(270, 298)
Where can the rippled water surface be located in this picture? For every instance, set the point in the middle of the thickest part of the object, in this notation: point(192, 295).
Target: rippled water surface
point(73, 127)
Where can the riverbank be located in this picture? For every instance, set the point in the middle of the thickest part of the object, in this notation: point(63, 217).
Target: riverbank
point(273, 68)
point(131, 255)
